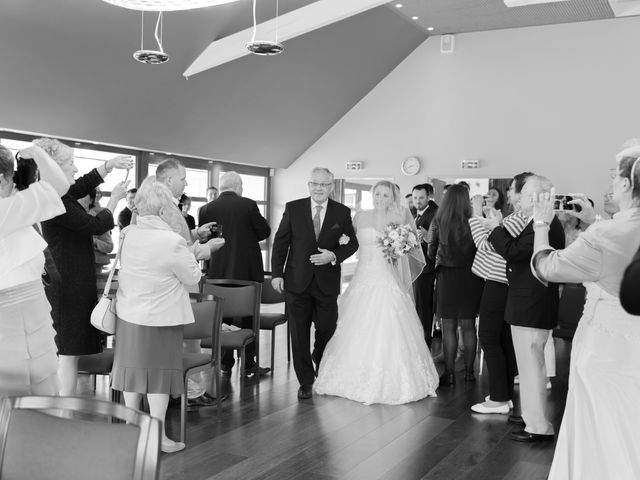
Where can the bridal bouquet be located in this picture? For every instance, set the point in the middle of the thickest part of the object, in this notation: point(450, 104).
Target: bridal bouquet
point(396, 241)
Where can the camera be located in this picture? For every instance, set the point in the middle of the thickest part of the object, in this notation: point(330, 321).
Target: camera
point(215, 230)
point(26, 172)
point(561, 203)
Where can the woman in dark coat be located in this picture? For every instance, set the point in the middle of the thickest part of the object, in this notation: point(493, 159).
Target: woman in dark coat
point(70, 239)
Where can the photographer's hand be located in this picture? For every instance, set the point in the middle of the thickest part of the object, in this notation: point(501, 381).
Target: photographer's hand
point(118, 192)
point(543, 207)
point(587, 214)
point(215, 244)
point(204, 231)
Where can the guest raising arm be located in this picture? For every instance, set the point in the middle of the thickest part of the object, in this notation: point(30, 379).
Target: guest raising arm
point(600, 419)
point(70, 239)
point(28, 361)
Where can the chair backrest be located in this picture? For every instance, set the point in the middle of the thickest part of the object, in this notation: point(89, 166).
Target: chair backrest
point(269, 294)
point(241, 297)
point(208, 318)
point(36, 443)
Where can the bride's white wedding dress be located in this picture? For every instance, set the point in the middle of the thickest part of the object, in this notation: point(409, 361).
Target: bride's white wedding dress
point(377, 353)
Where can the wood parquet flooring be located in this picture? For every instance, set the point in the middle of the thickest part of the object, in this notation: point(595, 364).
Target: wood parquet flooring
point(269, 435)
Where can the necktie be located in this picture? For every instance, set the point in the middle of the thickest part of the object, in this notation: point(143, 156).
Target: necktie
point(418, 217)
point(317, 224)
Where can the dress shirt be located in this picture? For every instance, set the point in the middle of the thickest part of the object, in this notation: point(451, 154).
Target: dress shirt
point(323, 212)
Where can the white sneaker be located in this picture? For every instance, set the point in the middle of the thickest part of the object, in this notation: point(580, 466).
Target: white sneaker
point(548, 386)
point(480, 408)
point(488, 397)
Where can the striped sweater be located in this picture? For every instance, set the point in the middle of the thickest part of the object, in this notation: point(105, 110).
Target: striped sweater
point(488, 263)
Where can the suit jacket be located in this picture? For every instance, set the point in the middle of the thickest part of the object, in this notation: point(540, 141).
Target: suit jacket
point(629, 289)
point(243, 227)
point(425, 222)
point(295, 242)
point(529, 302)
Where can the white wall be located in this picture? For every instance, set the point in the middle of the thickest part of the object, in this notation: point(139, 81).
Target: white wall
point(558, 100)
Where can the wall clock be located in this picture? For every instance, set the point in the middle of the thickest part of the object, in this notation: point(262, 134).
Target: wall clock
point(410, 165)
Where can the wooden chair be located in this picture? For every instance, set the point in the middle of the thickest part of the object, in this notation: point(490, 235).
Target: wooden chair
point(241, 299)
point(37, 444)
point(207, 310)
point(270, 320)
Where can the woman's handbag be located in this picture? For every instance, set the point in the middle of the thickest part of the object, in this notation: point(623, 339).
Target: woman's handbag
point(103, 316)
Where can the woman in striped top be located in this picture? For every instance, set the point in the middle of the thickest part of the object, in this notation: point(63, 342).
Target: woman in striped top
point(494, 333)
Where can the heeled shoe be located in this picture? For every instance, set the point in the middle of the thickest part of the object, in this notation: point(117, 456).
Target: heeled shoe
point(469, 376)
point(447, 378)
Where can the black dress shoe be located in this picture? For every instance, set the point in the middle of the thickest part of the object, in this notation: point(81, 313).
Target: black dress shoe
point(516, 420)
point(447, 378)
point(204, 400)
point(524, 436)
point(304, 392)
point(256, 370)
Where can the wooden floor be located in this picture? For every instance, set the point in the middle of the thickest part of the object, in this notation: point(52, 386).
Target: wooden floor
point(269, 434)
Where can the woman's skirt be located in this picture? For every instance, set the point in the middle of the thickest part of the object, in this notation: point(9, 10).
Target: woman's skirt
point(458, 293)
point(28, 360)
point(147, 359)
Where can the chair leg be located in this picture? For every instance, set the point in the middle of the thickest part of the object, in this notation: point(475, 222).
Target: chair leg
point(243, 371)
point(183, 414)
point(288, 343)
point(273, 347)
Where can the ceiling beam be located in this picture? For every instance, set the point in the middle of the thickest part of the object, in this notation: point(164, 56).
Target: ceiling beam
point(297, 22)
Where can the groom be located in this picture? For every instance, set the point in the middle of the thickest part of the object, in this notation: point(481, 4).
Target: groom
point(308, 240)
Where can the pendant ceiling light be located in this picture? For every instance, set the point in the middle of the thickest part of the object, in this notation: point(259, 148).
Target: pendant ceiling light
point(166, 5)
point(264, 47)
point(152, 57)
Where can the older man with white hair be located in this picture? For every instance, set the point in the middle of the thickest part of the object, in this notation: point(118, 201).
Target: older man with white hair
point(243, 227)
point(532, 311)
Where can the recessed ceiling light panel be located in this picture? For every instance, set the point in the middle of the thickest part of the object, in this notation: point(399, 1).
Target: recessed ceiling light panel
point(165, 5)
point(522, 3)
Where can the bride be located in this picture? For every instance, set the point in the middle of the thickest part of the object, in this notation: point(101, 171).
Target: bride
point(378, 353)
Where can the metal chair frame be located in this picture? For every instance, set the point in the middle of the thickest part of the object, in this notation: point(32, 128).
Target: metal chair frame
point(148, 446)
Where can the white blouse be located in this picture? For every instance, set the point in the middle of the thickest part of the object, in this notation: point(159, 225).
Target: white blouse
point(21, 257)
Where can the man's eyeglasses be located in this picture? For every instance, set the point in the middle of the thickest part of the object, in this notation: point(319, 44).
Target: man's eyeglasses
point(320, 185)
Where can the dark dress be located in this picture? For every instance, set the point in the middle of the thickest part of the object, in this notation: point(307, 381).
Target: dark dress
point(458, 290)
point(70, 239)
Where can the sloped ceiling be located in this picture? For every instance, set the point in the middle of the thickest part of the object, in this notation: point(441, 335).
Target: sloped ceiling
point(67, 70)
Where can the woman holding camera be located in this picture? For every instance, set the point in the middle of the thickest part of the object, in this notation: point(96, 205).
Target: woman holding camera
point(28, 361)
point(600, 424)
point(70, 239)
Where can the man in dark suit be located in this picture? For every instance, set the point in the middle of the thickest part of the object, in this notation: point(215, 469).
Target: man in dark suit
point(426, 209)
point(531, 310)
point(308, 241)
point(243, 228)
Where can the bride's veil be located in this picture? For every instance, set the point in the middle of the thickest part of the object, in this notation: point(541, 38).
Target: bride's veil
point(410, 265)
